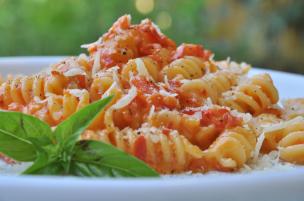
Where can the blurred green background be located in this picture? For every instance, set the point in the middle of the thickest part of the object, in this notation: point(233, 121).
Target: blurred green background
point(264, 33)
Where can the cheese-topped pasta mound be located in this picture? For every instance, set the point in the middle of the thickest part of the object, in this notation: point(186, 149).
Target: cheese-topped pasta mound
point(174, 107)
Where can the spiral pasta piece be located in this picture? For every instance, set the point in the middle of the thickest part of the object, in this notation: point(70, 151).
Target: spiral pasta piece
point(144, 66)
point(194, 92)
point(187, 126)
point(254, 96)
point(70, 73)
point(231, 150)
point(102, 121)
point(73, 66)
point(56, 108)
point(189, 67)
point(23, 89)
point(100, 84)
point(67, 74)
point(288, 137)
point(293, 108)
point(263, 120)
point(292, 147)
point(170, 153)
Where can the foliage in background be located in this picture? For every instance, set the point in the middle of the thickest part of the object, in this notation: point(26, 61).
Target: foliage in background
point(264, 33)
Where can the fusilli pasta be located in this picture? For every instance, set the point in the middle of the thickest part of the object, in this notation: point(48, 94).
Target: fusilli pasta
point(254, 95)
point(293, 108)
point(56, 108)
point(194, 92)
point(187, 126)
point(288, 137)
point(231, 150)
point(170, 153)
point(141, 66)
point(23, 89)
point(189, 67)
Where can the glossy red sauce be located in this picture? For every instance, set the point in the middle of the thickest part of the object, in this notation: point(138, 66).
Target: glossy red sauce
point(144, 85)
point(220, 118)
point(191, 50)
point(125, 41)
point(140, 147)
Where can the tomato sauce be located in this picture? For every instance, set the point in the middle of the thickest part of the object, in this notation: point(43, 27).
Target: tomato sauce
point(144, 85)
point(162, 102)
point(220, 118)
point(191, 50)
point(125, 41)
point(140, 147)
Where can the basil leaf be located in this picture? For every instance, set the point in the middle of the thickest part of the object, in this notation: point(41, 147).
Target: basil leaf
point(46, 161)
point(42, 160)
point(16, 132)
point(45, 168)
point(97, 159)
point(68, 132)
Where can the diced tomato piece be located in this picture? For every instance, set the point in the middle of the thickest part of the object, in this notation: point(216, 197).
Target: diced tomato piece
point(166, 131)
point(122, 23)
point(171, 102)
point(220, 118)
point(141, 100)
point(191, 50)
point(140, 147)
point(161, 102)
point(80, 80)
point(174, 84)
point(130, 115)
point(144, 85)
point(150, 35)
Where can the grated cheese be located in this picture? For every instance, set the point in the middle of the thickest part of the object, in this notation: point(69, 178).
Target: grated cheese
point(227, 162)
point(258, 147)
point(109, 90)
point(115, 77)
point(74, 71)
point(233, 67)
point(141, 69)
point(151, 112)
point(77, 92)
point(91, 44)
point(246, 117)
point(283, 125)
point(166, 93)
point(96, 64)
point(126, 100)
point(38, 100)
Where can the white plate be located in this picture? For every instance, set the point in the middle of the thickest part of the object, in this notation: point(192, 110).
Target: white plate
point(256, 186)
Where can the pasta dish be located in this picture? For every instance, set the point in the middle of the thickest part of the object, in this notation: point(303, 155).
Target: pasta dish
point(174, 107)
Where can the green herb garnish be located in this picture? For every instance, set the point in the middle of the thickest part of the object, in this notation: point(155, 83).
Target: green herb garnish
point(59, 152)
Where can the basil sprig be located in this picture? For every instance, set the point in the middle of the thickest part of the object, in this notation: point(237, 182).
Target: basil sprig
point(94, 158)
point(59, 152)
